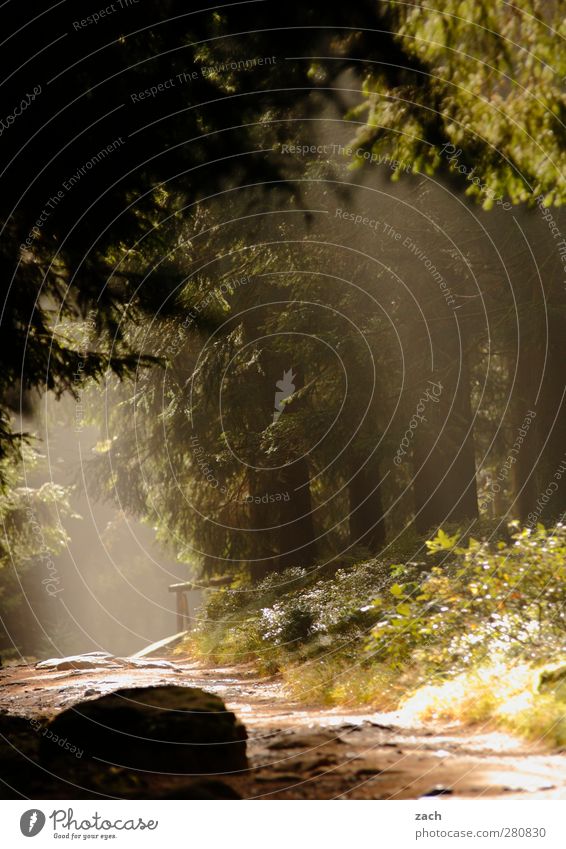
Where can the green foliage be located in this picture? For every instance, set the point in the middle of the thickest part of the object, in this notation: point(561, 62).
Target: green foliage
point(490, 86)
point(32, 535)
point(471, 76)
point(298, 614)
point(31, 517)
point(375, 633)
point(509, 598)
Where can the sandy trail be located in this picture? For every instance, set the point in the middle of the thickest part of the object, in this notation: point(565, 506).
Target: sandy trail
point(299, 752)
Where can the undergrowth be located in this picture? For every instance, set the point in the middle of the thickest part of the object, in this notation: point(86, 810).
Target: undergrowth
point(470, 631)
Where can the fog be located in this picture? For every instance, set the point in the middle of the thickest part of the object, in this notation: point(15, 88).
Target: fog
point(109, 585)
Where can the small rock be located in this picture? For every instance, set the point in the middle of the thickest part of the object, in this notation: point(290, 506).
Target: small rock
point(304, 741)
point(375, 724)
point(289, 776)
point(439, 790)
point(369, 773)
point(528, 787)
point(318, 763)
point(78, 661)
point(102, 660)
point(140, 663)
point(96, 654)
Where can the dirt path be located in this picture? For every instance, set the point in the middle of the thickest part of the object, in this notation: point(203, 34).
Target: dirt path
point(311, 753)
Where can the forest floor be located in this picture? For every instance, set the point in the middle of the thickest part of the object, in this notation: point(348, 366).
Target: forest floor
point(298, 752)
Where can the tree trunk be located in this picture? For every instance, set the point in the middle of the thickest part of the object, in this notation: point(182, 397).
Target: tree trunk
point(444, 481)
point(297, 545)
point(541, 464)
point(551, 427)
point(367, 526)
point(540, 470)
point(525, 440)
point(263, 517)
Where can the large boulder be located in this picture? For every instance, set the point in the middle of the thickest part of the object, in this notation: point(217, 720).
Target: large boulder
point(19, 756)
point(169, 729)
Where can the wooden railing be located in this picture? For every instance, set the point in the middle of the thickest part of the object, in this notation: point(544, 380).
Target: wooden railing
point(182, 602)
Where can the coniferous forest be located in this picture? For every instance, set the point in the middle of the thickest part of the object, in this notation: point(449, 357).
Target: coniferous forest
point(282, 396)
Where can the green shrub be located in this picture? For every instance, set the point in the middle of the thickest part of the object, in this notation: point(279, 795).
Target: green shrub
point(429, 628)
point(507, 598)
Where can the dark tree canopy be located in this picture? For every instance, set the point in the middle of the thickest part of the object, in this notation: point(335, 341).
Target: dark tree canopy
point(146, 170)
